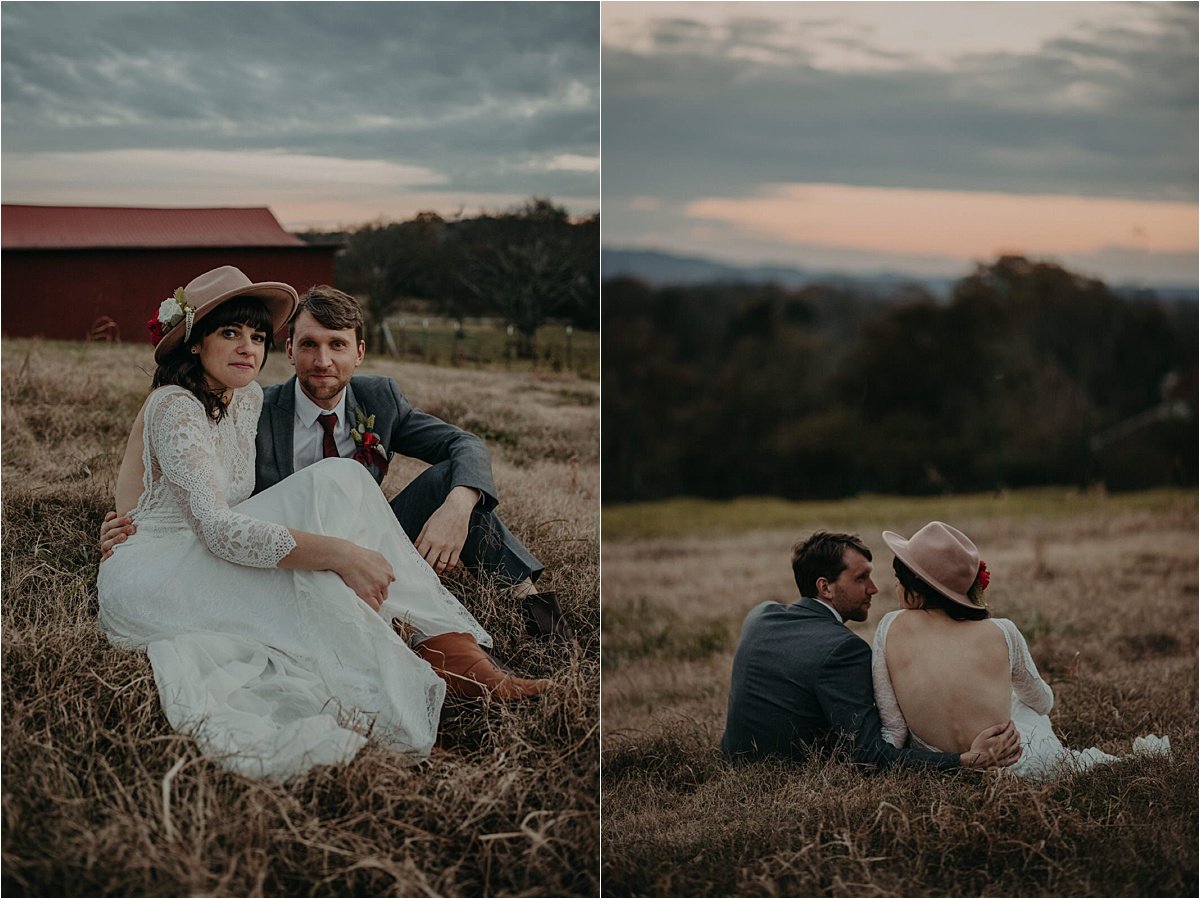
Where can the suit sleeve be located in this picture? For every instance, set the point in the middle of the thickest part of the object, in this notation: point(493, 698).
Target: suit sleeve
point(432, 440)
point(845, 694)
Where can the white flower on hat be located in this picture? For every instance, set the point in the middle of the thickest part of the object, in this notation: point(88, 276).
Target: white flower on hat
point(169, 310)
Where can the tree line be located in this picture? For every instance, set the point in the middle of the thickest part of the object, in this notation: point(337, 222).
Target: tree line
point(1029, 374)
point(523, 266)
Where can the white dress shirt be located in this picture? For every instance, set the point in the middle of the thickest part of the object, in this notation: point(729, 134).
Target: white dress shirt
point(821, 601)
point(308, 435)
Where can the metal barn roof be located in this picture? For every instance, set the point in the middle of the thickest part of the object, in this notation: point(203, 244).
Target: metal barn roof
point(111, 227)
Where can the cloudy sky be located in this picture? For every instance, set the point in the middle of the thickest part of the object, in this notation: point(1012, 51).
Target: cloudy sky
point(328, 113)
point(910, 137)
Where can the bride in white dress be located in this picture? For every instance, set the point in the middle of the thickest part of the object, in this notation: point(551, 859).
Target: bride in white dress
point(943, 669)
point(268, 619)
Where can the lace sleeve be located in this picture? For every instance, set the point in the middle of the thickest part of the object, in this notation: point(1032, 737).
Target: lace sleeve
point(249, 404)
point(183, 442)
point(1027, 683)
point(895, 728)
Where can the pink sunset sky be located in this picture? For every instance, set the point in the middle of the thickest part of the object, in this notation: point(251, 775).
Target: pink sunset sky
point(955, 223)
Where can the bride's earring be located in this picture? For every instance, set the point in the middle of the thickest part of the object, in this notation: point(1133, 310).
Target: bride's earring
point(195, 351)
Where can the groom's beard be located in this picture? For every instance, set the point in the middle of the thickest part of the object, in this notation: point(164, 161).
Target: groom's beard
point(320, 388)
point(851, 610)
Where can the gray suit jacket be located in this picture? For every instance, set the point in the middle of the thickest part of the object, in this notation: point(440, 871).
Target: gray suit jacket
point(802, 678)
point(401, 428)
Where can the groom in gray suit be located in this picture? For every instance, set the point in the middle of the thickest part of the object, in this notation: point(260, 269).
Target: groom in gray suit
point(802, 679)
point(448, 511)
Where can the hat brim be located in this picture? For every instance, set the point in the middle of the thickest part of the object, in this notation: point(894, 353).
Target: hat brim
point(280, 299)
point(900, 549)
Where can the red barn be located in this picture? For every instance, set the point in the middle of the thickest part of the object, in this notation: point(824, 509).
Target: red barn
point(74, 272)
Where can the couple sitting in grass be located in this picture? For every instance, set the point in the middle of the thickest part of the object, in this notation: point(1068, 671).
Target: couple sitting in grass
point(944, 685)
point(285, 607)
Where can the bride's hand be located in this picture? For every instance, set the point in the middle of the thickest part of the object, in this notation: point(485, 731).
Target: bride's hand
point(114, 530)
point(366, 572)
point(996, 747)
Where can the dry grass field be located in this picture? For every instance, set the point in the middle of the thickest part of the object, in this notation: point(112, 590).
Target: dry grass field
point(100, 797)
point(1103, 587)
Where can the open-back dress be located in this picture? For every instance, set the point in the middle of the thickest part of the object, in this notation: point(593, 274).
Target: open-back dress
point(1042, 753)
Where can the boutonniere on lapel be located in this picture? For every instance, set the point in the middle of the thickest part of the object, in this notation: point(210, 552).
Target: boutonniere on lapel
point(368, 447)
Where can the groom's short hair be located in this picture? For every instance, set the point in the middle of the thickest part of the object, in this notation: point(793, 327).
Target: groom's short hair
point(823, 555)
point(335, 310)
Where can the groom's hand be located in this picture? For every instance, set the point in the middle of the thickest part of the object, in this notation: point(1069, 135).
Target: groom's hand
point(441, 541)
point(996, 747)
point(114, 530)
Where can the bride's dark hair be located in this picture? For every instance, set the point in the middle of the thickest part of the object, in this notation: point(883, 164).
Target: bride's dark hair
point(182, 367)
point(931, 599)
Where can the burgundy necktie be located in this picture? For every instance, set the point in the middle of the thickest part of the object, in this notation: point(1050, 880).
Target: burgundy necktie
point(328, 444)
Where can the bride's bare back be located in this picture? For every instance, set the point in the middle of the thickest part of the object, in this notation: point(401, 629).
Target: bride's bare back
point(952, 679)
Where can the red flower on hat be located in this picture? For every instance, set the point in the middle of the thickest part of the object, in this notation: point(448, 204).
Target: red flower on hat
point(983, 578)
point(157, 329)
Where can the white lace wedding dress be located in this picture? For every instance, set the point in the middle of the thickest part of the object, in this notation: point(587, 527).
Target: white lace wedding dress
point(1042, 753)
point(271, 670)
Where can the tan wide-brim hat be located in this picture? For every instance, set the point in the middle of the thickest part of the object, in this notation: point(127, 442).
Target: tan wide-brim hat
point(207, 292)
point(942, 556)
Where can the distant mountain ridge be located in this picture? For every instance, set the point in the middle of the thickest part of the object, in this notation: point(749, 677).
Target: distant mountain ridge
point(661, 269)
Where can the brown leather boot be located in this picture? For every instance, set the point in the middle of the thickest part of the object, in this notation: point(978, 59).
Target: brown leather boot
point(468, 671)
